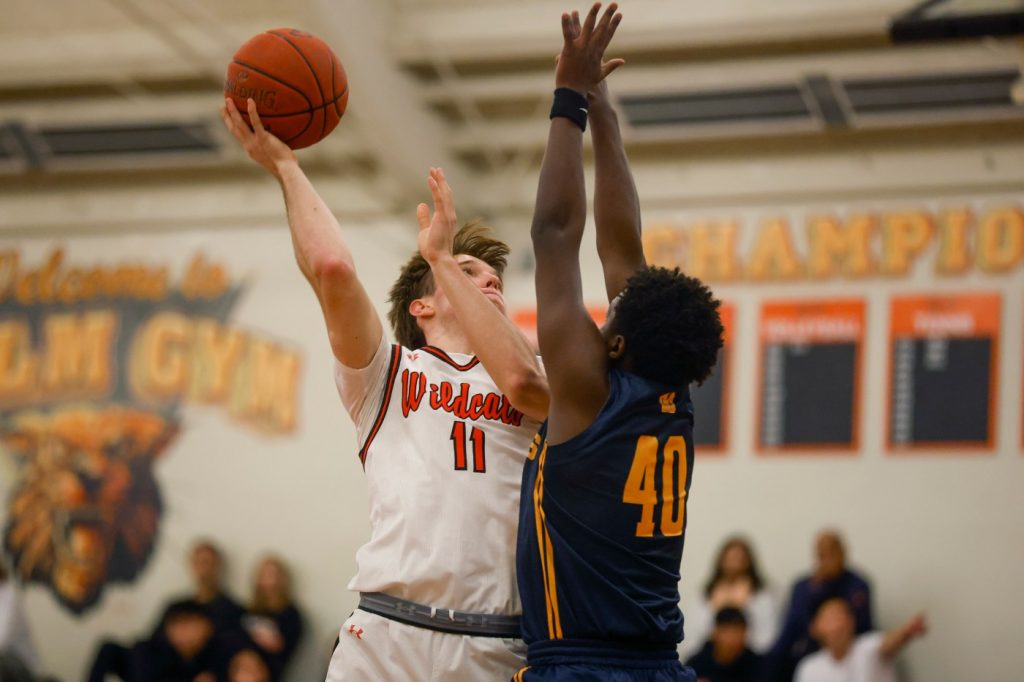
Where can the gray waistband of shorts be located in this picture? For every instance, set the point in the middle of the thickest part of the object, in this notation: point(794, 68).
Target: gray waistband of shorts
point(442, 620)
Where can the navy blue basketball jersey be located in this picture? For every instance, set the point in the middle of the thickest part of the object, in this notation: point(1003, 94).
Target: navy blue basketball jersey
point(602, 519)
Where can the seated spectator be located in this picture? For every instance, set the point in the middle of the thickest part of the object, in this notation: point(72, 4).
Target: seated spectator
point(224, 613)
point(726, 657)
point(272, 621)
point(735, 581)
point(847, 657)
point(184, 648)
point(17, 651)
point(831, 578)
point(207, 564)
point(248, 666)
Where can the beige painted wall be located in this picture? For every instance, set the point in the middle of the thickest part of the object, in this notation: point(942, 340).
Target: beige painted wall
point(936, 533)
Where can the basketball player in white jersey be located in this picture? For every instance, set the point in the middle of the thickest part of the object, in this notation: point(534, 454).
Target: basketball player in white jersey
point(444, 420)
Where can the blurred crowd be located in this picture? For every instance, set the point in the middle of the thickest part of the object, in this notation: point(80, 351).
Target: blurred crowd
point(826, 631)
point(207, 635)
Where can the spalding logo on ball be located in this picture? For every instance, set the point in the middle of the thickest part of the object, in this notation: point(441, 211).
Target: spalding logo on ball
point(298, 83)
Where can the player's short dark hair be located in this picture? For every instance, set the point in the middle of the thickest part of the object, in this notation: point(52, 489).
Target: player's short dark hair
point(671, 325)
point(415, 280)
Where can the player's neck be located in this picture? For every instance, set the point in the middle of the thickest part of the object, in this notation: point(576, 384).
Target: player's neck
point(450, 340)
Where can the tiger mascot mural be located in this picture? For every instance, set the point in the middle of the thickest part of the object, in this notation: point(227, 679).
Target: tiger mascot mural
point(85, 509)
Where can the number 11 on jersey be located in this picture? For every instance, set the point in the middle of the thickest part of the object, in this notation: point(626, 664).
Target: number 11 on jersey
point(476, 437)
point(642, 489)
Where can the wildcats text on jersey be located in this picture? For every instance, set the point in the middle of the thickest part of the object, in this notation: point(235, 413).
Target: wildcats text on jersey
point(464, 404)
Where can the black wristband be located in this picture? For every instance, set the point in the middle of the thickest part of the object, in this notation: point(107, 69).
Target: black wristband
point(571, 105)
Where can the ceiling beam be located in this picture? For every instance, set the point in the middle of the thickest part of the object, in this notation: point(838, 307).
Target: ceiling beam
point(385, 102)
point(482, 31)
point(948, 58)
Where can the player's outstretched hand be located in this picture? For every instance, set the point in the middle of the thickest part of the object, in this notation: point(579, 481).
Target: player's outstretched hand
point(437, 231)
point(261, 145)
point(581, 64)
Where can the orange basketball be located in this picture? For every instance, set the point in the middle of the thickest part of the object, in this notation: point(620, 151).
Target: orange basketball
point(298, 83)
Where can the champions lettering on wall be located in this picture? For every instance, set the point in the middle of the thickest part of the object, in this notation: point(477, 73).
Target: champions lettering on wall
point(95, 363)
point(858, 245)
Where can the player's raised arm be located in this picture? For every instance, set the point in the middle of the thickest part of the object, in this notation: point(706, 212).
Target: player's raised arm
point(616, 205)
point(575, 355)
point(353, 325)
point(503, 350)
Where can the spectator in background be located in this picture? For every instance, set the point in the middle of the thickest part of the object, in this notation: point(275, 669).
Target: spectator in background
point(223, 612)
point(272, 621)
point(184, 648)
point(726, 656)
point(248, 666)
point(18, 658)
point(847, 657)
point(735, 581)
point(831, 578)
point(207, 565)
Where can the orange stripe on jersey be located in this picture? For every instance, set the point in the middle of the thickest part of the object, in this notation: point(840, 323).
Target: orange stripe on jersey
point(389, 385)
point(547, 552)
point(518, 677)
point(444, 357)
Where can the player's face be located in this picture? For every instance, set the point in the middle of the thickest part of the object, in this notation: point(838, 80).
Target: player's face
point(483, 276)
point(610, 331)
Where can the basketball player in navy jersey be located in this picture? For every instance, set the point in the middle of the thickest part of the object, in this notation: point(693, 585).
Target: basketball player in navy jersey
point(603, 507)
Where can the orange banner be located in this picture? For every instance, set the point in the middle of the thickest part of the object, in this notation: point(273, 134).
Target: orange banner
point(812, 321)
point(955, 315)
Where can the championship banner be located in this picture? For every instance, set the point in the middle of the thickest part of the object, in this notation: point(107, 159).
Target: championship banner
point(810, 377)
point(943, 372)
point(711, 399)
point(96, 364)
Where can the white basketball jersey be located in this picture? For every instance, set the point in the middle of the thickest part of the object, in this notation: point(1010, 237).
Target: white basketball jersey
point(443, 453)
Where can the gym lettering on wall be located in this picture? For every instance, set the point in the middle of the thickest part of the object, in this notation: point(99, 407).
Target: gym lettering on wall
point(858, 245)
point(96, 362)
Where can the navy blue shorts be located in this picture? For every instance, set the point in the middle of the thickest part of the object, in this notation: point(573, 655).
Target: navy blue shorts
point(584, 662)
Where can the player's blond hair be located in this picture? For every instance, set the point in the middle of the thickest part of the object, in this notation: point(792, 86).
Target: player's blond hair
point(415, 280)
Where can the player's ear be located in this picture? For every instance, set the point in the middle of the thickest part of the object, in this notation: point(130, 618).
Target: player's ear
point(420, 308)
point(616, 347)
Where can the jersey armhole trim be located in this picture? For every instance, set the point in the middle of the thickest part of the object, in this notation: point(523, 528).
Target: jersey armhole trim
point(389, 385)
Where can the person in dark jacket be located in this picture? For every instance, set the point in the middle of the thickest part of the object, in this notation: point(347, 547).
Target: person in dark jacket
point(725, 657)
point(272, 621)
point(831, 578)
point(224, 614)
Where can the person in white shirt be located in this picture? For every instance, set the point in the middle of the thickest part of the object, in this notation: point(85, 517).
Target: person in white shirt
point(444, 420)
point(847, 657)
point(15, 637)
point(735, 582)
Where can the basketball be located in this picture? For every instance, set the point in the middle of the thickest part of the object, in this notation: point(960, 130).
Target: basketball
point(297, 81)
